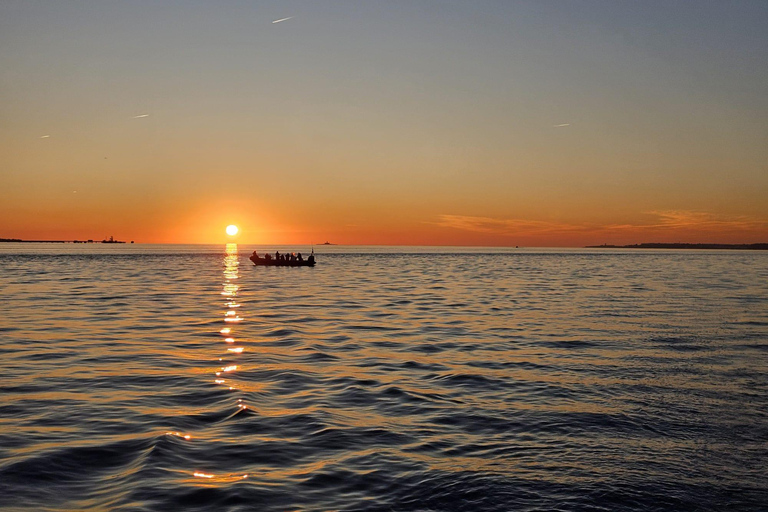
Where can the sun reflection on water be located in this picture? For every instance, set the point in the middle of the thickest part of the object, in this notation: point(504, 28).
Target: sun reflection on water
point(230, 290)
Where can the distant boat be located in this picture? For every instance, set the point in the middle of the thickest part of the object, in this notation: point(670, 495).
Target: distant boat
point(111, 240)
point(328, 243)
point(271, 262)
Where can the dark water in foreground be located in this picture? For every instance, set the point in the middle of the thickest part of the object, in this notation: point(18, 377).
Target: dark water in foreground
point(560, 380)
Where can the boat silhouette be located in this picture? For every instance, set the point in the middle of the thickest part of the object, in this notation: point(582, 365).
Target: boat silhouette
point(286, 261)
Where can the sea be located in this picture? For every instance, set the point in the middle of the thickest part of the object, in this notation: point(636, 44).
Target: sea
point(183, 378)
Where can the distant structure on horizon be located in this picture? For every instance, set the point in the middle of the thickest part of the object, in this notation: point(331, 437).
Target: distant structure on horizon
point(111, 240)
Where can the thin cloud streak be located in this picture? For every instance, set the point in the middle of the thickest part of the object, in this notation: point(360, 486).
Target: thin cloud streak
point(665, 222)
point(140, 115)
point(507, 227)
point(283, 19)
point(562, 125)
point(697, 220)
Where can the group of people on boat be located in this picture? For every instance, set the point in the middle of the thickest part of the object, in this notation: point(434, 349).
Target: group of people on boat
point(285, 258)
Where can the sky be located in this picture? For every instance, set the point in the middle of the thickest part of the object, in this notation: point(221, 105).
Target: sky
point(497, 123)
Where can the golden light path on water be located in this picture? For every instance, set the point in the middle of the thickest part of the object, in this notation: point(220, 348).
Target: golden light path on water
point(230, 289)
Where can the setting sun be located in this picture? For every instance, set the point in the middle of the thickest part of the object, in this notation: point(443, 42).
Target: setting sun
point(232, 230)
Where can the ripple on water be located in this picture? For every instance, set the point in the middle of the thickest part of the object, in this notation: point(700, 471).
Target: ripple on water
point(512, 381)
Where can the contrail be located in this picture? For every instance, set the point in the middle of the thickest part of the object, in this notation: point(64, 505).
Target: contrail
point(283, 19)
point(561, 125)
point(142, 115)
point(45, 137)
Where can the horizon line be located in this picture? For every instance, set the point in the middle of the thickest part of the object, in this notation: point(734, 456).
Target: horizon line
point(607, 246)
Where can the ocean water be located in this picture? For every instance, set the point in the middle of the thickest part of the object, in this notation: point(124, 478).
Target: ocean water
point(168, 378)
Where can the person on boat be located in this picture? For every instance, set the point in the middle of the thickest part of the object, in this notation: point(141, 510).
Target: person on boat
point(298, 257)
point(268, 257)
point(293, 256)
point(311, 258)
point(255, 256)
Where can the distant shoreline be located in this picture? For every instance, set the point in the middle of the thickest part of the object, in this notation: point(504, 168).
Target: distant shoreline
point(741, 247)
point(20, 241)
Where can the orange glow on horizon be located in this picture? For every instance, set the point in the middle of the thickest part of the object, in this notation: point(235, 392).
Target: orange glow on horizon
point(567, 221)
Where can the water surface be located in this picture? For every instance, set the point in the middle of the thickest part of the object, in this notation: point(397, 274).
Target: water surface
point(183, 378)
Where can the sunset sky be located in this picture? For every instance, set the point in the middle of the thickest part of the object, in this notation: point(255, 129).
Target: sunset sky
point(531, 123)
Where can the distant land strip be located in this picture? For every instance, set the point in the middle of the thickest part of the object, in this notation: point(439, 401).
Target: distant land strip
point(741, 247)
point(39, 241)
point(19, 240)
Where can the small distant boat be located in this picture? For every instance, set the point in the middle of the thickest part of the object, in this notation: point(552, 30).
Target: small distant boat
point(272, 262)
point(111, 240)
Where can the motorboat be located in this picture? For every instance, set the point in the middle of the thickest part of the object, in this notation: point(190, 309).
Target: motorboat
point(281, 260)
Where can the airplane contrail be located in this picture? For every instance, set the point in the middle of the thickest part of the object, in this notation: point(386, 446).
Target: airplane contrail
point(45, 137)
point(142, 115)
point(283, 19)
point(561, 125)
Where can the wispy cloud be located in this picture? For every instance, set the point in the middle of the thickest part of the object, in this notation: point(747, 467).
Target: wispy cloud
point(508, 227)
point(561, 125)
point(670, 220)
point(45, 137)
point(663, 222)
point(283, 19)
point(140, 115)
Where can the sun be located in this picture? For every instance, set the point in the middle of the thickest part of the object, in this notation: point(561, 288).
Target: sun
point(232, 230)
